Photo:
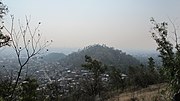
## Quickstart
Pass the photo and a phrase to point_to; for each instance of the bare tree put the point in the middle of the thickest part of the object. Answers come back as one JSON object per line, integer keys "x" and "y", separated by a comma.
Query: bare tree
{"x": 26, "y": 43}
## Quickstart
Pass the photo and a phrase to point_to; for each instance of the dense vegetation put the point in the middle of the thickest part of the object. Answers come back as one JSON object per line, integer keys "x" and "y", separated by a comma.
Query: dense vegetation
{"x": 107, "y": 55}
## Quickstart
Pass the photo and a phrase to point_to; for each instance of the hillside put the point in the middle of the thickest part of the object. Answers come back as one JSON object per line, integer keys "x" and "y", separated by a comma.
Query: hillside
{"x": 107, "y": 55}
{"x": 151, "y": 93}
{"x": 53, "y": 57}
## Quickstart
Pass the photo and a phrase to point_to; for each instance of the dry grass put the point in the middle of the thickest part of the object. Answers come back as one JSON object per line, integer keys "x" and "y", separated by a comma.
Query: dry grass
{"x": 151, "y": 93}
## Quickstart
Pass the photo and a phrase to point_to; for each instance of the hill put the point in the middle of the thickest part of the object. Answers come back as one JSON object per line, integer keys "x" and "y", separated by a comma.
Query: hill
{"x": 151, "y": 93}
{"x": 53, "y": 57}
{"x": 107, "y": 55}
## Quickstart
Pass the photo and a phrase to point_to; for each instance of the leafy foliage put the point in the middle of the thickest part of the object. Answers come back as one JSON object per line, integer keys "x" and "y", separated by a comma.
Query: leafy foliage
{"x": 97, "y": 69}
{"x": 169, "y": 52}
{"x": 28, "y": 90}
{"x": 4, "y": 39}
{"x": 5, "y": 88}
{"x": 151, "y": 63}
{"x": 143, "y": 76}
{"x": 3, "y": 9}
{"x": 117, "y": 80}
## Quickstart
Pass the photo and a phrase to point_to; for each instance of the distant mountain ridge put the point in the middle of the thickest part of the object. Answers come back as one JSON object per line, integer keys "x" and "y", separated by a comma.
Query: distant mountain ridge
{"x": 107, "y": 55}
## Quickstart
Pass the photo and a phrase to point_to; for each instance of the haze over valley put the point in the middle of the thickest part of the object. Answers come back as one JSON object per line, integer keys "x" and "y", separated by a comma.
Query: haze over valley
{"x": 89, "y": 50}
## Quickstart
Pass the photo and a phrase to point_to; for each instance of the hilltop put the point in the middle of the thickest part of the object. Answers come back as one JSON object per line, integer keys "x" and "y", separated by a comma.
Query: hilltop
{"x": 107, "y": 55}
{"x": 53, "y": 57}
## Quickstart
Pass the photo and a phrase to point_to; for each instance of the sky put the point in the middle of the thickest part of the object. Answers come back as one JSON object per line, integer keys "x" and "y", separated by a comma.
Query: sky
{"x": 123, "y": 24}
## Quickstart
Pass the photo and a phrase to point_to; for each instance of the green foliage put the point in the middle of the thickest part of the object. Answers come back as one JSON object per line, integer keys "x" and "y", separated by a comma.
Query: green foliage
{"x": 142, "y": 76}
{"x": 153, "y": 72}
{"x": 28, "y": 90}
{"x": 169, "y": 53}
{"x": 1, "y": 99}
{"x": 5, "y": 88}
{"x": 136, "y": 76}
{"x": 151, "y": 63}
{"x": 54, "y": 91}
{"x": 116, "y": 79}
{"x": 94, "y": 86}
{"x": 4, "y": 39}
{"x": 94, "y": 66}
{"x": 3, "y": 9}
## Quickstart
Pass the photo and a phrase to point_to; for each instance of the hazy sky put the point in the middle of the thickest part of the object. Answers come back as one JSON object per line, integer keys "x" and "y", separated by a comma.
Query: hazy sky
{"x": 78, "y": 23}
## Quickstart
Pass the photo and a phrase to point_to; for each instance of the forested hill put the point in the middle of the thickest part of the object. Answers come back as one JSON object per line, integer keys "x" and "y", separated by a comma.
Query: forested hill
{"x": 53, "y": 57}
{"x": 107, "y": 55}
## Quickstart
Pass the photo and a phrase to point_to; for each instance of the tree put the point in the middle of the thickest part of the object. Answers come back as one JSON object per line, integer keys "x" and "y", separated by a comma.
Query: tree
{"x": 116, "y": 79}
{"x": 4, "y": 39}
{"x": 169, "y": 53}
{"x": 151, "y": 63}
{"x": 135, "y": 75}
{"x": 5, "y": 89}
{"x": 54, "y": 91}
{"x": 152, "y": 72}
{"x": 25, "y": 41}
{"x": 28, "y": 89}
{"x": 95, "y": 67}
{"x": 3, "y": 9}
